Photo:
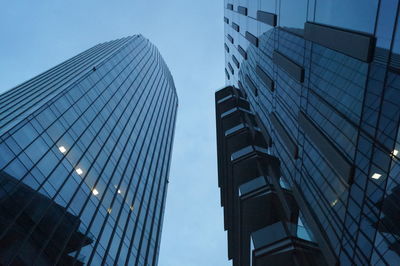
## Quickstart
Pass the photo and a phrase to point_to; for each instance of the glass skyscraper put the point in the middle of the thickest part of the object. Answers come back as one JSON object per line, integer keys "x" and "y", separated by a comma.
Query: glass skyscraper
{"x": 308, "y": 132}
{"x": 85, "y": 151}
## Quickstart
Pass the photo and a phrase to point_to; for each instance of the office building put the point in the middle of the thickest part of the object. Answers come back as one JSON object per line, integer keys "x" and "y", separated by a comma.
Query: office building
{"x": 308, "y": 132}
{"x": 85, "y": 154}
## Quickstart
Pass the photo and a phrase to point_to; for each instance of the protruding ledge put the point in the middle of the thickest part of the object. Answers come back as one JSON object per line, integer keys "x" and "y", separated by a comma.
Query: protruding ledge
{"x": 265, "y": 78}
{"x": 227, "y": 74}
{"x": 290, "y": 144}
{"x": 242, "y": 52}
{"x": 292, "y": 68}
{"x": 231, "y": 68}
{"x": 351, "y": 43}
{"x": 251, "y": 38}
{"x": 226, "y": 48}
{"x": 333, "y": 156}
{"x": 268, "y": 18}
{"x": 252, "y": 86}
{"x": 230, "y": 38}
{"x": 235, "y": 26}
{"x": 235, "y": 61}
{"x": 242, "y": 10}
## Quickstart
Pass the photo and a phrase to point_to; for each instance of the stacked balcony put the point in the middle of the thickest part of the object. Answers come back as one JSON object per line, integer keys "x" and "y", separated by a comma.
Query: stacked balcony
{"x": 254, "y": 199}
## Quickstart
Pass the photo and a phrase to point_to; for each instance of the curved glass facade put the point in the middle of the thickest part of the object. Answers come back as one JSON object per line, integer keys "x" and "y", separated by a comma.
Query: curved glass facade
{"x": 329, "y": 73}
{"x": 85, "y": 155}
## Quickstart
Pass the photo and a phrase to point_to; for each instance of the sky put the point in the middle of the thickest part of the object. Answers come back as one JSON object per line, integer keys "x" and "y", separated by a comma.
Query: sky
{"x": 36, "y": 35}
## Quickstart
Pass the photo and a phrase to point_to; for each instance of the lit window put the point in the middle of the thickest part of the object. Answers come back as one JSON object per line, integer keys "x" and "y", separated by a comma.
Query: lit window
{"x": 334, "y": 202}
{"x": 395, "y": 152}
{"x": 109, "y": 210}
{"x": 376, "y": 176}
{"x": 62, "y": 149}
{"x": 79, "y": 171}
{"x": 95, "y": 192}
{"x": 131, "y": 207}
{"x": 119, "y": 191}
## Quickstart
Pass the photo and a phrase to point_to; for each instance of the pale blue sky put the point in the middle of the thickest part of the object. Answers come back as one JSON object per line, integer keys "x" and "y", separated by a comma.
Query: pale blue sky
{"x": 36, "y": 35}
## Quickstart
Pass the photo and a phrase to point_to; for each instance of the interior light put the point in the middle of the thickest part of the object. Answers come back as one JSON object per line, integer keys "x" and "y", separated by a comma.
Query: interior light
{"x": 131, "y": 207}
{"x": 376, "y": 176}
{"x": 334, "y": 202}
{"x": 395, "y": 152}
{"x": 119, "y": 191}
{"x": 79, "y": 171}
{"x": 95, "y": 192}
{"x": 62, "y": 149}
{"x": 109, "y": 210}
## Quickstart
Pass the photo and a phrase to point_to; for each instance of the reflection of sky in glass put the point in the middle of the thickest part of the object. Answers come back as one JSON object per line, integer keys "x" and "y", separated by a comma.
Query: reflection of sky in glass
{"x": 357, "y": 15}
{"x": 294, "y": 15}
{"x": 336, "y": 85}
{"x": 396, "y": 43}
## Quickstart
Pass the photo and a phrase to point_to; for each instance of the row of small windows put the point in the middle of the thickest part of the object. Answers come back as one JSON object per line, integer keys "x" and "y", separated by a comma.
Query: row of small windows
{"x": 334, "y": 157}
{"x": 364, "y": 53}
{"x": 351, "y": 43}
{"x": 296, "y": 71}
{"x": 265, "y": 17}
{"x": 240, "y": 9}
{"x": 313, "y": 33}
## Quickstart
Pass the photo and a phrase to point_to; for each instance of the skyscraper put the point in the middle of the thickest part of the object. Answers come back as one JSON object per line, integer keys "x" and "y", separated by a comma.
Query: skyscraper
{"x": 85, "y": 155}
{"x": 308, "y": 132}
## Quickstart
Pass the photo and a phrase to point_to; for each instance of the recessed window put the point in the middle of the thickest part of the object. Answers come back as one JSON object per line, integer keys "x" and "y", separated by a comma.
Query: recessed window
{"x": 242, "y": 52}
{"x": 242, "y": 10}
{"x": 251, "y": 38}
{"x": 95, "y": 192}
{"x": 235, "y": 26}
{"x": 62, "y": 149}
{"x": 376, "y": 176}
{"x": 227, "y": 74}
{"x": 79, "y": 171}
{"x": 226, "y": 48}
{"x": 235, "y": 61}
{"x": 230, "y": 38}
{"x": 231, "y": 68}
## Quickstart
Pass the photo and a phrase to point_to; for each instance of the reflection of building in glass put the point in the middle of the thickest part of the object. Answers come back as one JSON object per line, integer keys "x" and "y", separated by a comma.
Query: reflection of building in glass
{"x": 13, "y": 198}
{"x": 313, "y": 89}
{"x": 85, "y": 153}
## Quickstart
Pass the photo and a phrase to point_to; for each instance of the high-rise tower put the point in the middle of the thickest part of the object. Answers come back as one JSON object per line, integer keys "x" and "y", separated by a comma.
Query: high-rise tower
{"x": 85, "y": 150}
{"x": 308, "y": 132}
